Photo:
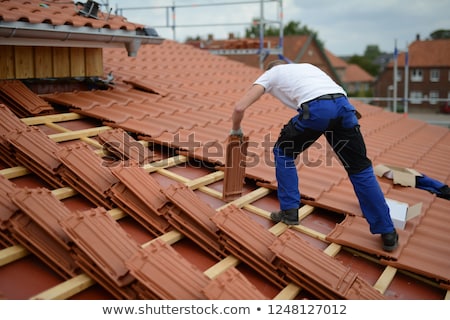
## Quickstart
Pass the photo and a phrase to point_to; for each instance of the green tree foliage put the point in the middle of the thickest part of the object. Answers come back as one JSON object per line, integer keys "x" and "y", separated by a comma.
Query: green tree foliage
{"x": 291, "y": 28}
{"x": 372, "y": 52}
{"x": 367, "y": 61}
{"x": 440, "y": 34}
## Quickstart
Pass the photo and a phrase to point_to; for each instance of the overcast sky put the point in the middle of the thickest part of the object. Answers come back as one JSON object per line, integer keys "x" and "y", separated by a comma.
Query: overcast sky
{"x": 346, "y": 27}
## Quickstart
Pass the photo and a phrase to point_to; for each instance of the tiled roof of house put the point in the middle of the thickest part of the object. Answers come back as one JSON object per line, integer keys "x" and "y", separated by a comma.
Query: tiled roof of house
{"x": 426, "y": 53}
{"x": 349, "y": 72}
{"x": 354, "y": 73}
{"x": 198, "y": 93}
{"x": 335, "y": 60}
{"x": 61, "y": 12}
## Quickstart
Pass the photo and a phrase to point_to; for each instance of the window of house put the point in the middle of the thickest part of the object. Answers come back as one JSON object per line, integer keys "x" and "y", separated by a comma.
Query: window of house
{"x": 416, "y": 97}
{"x": 434, "y": 96}
{"x": 399, "y": 75}
{"x": 434, "y": 75}
{"x": 416, "y": 75}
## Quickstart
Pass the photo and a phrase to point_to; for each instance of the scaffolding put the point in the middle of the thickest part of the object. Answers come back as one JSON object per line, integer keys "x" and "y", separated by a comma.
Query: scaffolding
{"x": 262, "y": 22}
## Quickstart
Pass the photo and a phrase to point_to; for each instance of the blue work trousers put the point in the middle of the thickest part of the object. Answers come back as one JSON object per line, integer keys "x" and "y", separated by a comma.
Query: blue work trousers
{"x": 336, "y": 119}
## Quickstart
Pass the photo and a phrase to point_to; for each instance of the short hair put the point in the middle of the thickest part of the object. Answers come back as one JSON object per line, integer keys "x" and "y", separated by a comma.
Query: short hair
{"x": 274, "y": 63}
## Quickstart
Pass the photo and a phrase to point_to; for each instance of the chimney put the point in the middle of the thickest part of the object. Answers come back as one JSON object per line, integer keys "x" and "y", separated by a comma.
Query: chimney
{"x": 417, "y": 37}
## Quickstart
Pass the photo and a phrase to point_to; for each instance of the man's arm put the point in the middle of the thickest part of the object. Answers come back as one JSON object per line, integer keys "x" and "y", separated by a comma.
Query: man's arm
{"x": 253, "y": 94}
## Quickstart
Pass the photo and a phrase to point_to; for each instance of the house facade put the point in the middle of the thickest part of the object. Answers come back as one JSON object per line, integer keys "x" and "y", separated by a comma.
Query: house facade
{"x": 423, "y": 77}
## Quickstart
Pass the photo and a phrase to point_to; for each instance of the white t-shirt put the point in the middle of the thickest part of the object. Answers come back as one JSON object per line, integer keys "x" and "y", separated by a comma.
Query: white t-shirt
{"x": 296, "y": 83}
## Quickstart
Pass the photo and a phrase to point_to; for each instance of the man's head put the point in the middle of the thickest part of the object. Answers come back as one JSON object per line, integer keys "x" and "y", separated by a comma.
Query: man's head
{"x": 274, "y": 63}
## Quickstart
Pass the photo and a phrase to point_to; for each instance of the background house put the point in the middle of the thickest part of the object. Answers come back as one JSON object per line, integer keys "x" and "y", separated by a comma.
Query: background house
{"x": 427, "y": 78}
{"x": 356, "y": 81}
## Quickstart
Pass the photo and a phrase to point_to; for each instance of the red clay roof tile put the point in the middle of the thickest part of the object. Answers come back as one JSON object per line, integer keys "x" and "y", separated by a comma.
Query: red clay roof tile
{"x": 354, "y": 232}
{"x": 192, "y": 217}
{"x": 37, "y": 152}
{"x": 86, "y": 172}
{"x": 103, "y": 246}
{"x": 166, "y": 273}
{"x": 320, "y": 273}
{"x": 37, "y": 227}
{"x": 142, "y": 184}
{"x": 130, "y": 203}
{"x": 234, "y": 169}
{"x": 7, "y": 209}
{"x": 58, "y": 13}
{"x": 22, "y": 100}
{"x": 206, "y": 86}
{"x": 249, "y": 241}
{"x": 125, "y": 147}
{"x": 232, "y": 285}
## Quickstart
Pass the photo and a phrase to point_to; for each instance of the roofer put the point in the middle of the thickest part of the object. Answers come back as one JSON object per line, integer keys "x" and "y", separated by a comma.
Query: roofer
{"x": 323, "y": 108}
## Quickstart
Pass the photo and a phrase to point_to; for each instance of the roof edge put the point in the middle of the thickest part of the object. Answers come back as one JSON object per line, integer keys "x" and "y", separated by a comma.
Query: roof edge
{"x": 16, "y": 33}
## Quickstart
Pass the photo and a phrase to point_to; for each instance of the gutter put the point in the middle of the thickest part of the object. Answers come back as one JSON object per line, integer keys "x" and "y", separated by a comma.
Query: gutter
{"x": 42, "y": 34}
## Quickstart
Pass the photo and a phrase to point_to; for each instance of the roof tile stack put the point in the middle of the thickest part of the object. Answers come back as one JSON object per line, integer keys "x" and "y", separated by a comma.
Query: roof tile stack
{"x": 232, "y": 285}
{"x": 101, "y": 249}
{"x": 10, "y": 123}
{"x": 248, "y": 241}
{"x": 22, "y": 101}
{"x": 323, "y": 275}
{"x": 125, "y": 147}
{"x": 37, "y": 228}
{"x": 192, "y": 217}
{"x": 166, "y": 273}
{"x": 7, "y": 209}
{"x": 87, "y": 173}
{"x": 139, "y": 195}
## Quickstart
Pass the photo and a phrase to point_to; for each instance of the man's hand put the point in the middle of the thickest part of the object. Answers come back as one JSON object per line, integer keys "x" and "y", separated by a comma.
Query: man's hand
{"x": 237, "y": 132}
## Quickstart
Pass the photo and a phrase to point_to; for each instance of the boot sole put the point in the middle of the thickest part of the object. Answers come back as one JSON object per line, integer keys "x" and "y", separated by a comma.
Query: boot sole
{"x": 289, "y": 222}
{"x": 390, "y": 248}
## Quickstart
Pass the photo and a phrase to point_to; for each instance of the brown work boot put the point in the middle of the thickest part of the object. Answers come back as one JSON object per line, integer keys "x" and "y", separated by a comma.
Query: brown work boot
{"x": 289, "y": 216}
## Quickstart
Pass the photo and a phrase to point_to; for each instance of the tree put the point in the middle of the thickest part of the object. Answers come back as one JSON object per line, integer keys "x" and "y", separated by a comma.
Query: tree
{"x": 291, "y": 28}
{"x": 365, "y": 63}
{"x": 372, "y": 52}
{"x": 440, "y": 34}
